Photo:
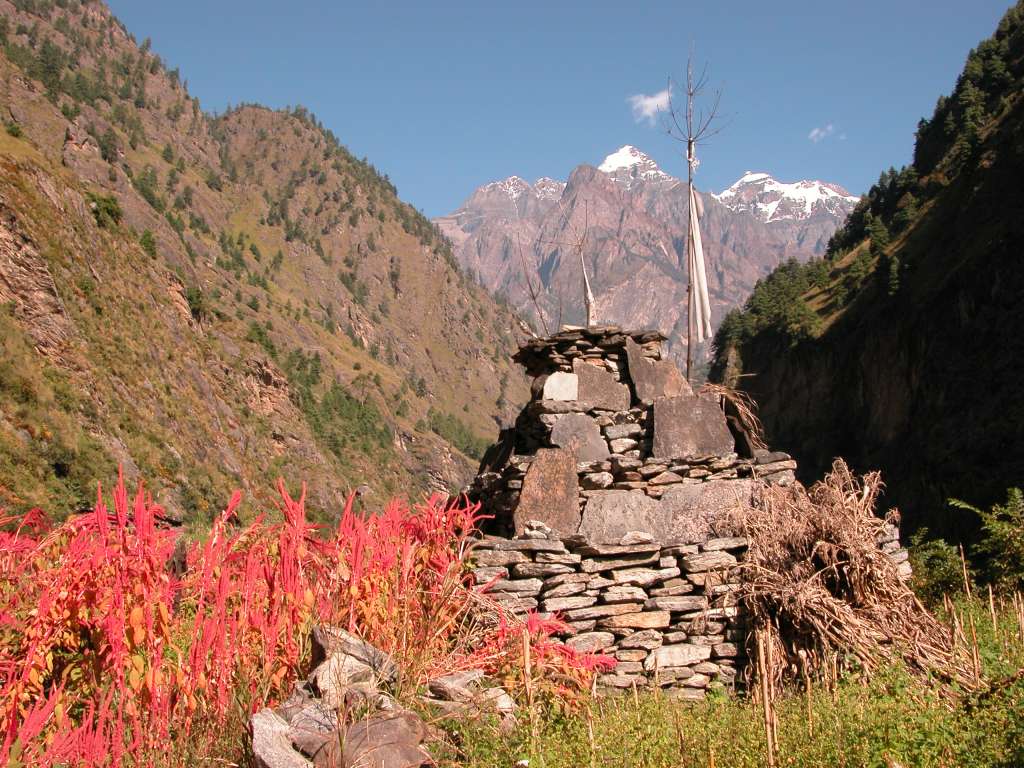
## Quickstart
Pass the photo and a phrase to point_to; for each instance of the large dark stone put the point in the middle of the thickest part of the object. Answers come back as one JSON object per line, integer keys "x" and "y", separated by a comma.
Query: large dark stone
{"x": 695, "y": 513}
{"x": 688, "y": 426}
{"x": 579, "y": 431}
{"x": 653, "y": 378}
{"x": 600, "y": 388}
{"x": 610, "y": 515}
{"x": 550, "y": 492}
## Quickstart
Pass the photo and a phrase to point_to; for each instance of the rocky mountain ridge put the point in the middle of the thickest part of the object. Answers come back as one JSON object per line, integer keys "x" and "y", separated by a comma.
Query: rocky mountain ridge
{"x": 629, "y": 219}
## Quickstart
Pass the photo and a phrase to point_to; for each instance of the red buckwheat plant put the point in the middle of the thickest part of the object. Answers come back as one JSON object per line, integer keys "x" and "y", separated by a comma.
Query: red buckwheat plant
{"x": 109, "y": 658}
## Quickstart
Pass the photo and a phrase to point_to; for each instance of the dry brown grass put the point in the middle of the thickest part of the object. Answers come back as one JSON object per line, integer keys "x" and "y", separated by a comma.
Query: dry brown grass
{"x": 744, "y": 407}
{"x": 823, "y": 597}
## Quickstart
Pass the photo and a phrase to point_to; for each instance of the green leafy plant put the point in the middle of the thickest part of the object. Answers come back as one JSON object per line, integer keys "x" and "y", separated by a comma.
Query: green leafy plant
{"x": 1001, "y": 545}
{"x": 938, "y": 570}
{"x": 105, "y": 209}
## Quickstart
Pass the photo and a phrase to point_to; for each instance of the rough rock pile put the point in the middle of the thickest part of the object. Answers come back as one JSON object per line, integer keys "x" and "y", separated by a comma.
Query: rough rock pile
{"x": 613, "y": 499}
{"x": 344, "y": 715}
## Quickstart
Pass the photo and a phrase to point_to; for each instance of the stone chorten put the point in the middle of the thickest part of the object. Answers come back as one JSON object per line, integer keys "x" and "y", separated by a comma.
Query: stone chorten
{"x": 610, "y": 496}
{"x": 614, "y": 440}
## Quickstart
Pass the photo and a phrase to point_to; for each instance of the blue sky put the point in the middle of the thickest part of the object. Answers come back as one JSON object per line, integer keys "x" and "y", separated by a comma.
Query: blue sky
{"x": 444, "y": 96}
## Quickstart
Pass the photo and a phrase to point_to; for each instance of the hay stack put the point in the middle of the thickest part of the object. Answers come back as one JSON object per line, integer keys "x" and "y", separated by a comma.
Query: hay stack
{"x": 824, "y": 597}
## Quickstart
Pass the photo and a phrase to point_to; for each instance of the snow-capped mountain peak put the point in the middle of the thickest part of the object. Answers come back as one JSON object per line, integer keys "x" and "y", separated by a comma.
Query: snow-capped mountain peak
{"x": 548, "y": 189}
{"x": 628, "y": 164}
{"x": 769, "y": 200}
{"x": 513, "y": 186}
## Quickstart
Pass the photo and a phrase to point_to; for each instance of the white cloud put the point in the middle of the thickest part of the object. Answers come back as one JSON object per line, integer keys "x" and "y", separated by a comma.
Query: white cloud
{"x": 819, "y": 134}
{"x": 647, "y": 107}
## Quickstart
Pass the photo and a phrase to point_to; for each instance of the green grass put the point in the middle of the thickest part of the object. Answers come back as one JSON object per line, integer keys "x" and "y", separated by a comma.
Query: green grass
{"x": 893, "y": 720}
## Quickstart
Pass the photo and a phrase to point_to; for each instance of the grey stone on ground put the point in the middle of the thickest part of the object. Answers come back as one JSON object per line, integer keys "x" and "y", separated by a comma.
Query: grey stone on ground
{"x": 458, "y": 686}
{"x": 272, "y": 744}
{"x": 328, "y": 641}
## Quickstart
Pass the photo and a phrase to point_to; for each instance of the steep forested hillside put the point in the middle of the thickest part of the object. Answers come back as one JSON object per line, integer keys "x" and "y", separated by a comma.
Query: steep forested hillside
{"x": 903, "y": 348}
{"x": 213, "y": 301}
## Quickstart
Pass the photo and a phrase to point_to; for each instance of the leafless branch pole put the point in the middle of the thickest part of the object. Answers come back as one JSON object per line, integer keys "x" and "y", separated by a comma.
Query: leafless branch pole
{"x": 578, "y": 245}
{"x": 581, "y": 240}
{"x": 693, "y": 127}
{"x": 532, "y": 290}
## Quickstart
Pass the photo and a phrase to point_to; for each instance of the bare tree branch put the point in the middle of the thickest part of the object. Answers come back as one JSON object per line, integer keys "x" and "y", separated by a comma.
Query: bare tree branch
{"x": 530, "y": 287}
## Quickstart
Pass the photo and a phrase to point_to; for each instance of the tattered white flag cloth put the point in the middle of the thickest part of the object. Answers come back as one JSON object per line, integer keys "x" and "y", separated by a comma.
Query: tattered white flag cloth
{"x": 700, "y": 304}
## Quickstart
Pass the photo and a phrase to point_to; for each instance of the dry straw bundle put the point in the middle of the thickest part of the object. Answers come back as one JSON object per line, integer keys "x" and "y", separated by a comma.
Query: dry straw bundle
{"x": 823, "y": 596}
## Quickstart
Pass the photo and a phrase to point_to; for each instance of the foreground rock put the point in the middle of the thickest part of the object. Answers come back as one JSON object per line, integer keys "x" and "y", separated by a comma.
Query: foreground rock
{"x": 311, "y": 727}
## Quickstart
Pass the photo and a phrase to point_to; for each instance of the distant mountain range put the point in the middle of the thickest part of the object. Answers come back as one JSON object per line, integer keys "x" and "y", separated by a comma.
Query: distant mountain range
{"x": 632, "y": 218}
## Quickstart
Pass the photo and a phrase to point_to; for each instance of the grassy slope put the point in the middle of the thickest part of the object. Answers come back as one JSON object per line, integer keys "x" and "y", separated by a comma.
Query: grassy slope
{"x": 891, "y": 721}
{"x": 199, "y": 405}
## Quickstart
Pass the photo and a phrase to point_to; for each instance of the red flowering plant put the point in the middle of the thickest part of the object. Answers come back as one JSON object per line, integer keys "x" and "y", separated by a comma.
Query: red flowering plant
{"x": 108, "y": 658}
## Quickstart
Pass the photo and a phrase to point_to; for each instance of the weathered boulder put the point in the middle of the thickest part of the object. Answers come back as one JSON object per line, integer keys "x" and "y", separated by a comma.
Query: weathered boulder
{"x": 458, "y": 686}
{"x": 272, "y": 744}
{"x": 653, "y": 378}
{"x": 600, "y": 387}
{"x": 580, "y": 431}
{"x": 687, "y": 426}
{"x": 549, "y": 492}
{"x": 329, "y": 641}
{"x": 382, "y": 740}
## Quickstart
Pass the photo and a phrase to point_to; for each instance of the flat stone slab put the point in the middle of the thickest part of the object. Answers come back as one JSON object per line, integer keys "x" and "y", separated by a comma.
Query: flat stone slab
{"x": 653, "y": 378}
{"x": 600, "y": 387}
{"x": 550, "y": 490}
{"x": 637, "y": 620}
{"x": 694, "y": 513}
{"x": 561, "y": 386}
{"x": 579, "y": 431}
{"x": 591, "y": 642}
{"x": 685, "y": 513}
{"x": 609, "y": 515}
{"x": 687, "y": 426}
{"x": 681, "y": 655}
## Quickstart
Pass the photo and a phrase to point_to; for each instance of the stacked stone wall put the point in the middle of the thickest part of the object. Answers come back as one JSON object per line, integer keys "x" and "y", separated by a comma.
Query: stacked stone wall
{"x": 613, "y": 496}
{"x": 668, "y": 614}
